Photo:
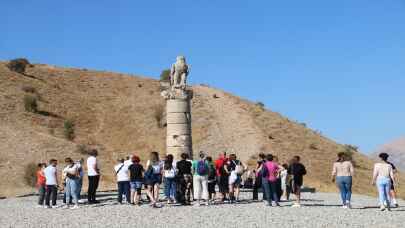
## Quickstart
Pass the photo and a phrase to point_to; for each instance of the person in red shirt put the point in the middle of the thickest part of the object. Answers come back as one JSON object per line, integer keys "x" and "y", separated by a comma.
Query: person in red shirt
{"x": 222, "y": 176}
{"x": 41, "y": 183}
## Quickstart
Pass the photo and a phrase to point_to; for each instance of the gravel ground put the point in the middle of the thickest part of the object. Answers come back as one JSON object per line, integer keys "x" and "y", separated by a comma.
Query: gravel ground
{"x": 319, "y": 210}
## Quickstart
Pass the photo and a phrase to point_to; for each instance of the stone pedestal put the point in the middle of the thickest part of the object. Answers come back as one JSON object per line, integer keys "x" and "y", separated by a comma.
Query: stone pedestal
{"x": 178, "y": 114}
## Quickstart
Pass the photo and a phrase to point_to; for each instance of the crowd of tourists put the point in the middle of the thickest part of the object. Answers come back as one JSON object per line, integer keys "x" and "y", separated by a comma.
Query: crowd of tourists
{"x": 203, "y": 180}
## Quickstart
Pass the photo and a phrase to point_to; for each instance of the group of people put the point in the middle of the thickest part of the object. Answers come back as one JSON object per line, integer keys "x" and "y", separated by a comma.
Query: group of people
{"x": 72, "y": 181}
{"x": 203, "y": 180}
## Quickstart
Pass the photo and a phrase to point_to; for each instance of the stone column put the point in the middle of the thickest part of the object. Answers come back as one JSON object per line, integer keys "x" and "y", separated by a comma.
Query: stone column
{"x": 178, "y": 112}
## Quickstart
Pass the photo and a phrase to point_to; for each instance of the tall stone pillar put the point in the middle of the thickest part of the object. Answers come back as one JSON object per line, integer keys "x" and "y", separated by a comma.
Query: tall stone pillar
{"x": 178, "y": 114}
{"x": 178, "y": 111}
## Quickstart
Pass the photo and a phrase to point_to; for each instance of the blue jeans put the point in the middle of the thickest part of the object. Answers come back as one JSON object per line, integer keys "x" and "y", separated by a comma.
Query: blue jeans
{"x": 384, "y": 187}
{"x": 79, "y": 187}
{"x": 72, "y": 185}
{"x": 345, "y": 186}
{"x": 170, "y": 188}
{"x": 124, "y": 189}
{"x": 270, "y": 188}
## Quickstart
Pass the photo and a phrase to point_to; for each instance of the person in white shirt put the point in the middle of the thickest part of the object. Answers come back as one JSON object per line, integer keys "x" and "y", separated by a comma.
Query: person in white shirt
{"x": 71, "y": 176}
{"x": 383, "y": 175}
{"x": 93, "y": 173}
{"x": 51, "y": 183}
{"x": 122, "y": 173}
{"x": 283, "y": 175}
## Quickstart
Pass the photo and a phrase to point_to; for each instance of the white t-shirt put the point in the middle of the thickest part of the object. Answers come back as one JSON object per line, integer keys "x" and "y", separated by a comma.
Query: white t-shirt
{"x": 128, "y": 162}
{"x": 123, "y": 174}
{"x": 50, "y": 175}
{"x": 91, "y": 161}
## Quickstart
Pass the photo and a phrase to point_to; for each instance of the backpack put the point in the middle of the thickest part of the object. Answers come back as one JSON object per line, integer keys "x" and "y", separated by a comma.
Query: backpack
{"x": 239, "y": 169}
{"x": 202, "y": 168}
{"x": 264, "y": 171}
{"x": 170, "y": 173}
{"x": 212, "y": 172}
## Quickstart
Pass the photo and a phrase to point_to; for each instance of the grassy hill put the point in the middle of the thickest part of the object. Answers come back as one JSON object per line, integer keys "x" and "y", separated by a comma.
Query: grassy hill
{"x": 124, "y": 114}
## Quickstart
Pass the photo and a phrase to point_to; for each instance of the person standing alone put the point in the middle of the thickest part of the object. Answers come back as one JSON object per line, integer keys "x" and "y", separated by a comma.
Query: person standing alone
{"x": 383, "y": 175}
{"x": 93, "y": 173}
{"x": 297, "y": 171}
{"x": 41, "y": 183}
{"x": 343, "y": 171}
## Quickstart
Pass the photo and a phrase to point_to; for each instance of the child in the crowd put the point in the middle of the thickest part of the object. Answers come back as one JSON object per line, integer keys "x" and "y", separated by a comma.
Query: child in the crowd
{"x": 41, "y": 184}
{"x": 212, "y": 179}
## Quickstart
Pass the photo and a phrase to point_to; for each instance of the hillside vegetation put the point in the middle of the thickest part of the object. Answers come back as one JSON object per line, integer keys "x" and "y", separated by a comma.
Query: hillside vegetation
{"x": 123, "y": 114}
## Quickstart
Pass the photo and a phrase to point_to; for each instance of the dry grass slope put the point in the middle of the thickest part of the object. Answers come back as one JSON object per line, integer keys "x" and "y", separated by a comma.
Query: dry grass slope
{"x": 117, "y": 114}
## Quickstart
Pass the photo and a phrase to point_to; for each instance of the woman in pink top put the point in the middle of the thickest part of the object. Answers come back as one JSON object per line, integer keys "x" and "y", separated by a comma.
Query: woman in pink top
{"x": 270, "y": 171}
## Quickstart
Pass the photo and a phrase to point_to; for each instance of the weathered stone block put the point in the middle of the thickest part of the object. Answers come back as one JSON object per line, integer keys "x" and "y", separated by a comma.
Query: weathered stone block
{"x": 177, "y": 118}
{"x": 182, "y": 106}
{"x": 178, "y": 129}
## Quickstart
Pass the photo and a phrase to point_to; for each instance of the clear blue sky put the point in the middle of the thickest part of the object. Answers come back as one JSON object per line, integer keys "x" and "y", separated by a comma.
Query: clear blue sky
{"x": 338, "y": 66}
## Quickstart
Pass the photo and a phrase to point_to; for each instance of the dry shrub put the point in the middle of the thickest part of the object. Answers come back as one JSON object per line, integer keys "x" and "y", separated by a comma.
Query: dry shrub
{"x": 30, "y": 174}
{"x": 165, "y": 75}
{"x": 158, "y": 114}
{"x": 69, "y": 129}
{"x": 18, "y": 65}
{"x": 31, "y": 103}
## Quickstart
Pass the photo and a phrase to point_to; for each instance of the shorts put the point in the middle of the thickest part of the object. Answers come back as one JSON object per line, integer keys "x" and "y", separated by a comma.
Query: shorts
{"x": 235, "y": 181}
{"x": 223, "y": 184}
{"x": 153, "y": 180}
{"x": 135, "y": 185}
{"x": 211, "y": 187}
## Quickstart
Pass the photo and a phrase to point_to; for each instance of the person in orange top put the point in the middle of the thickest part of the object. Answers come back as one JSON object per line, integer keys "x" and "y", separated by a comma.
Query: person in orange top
{"x": 41, "y": 184}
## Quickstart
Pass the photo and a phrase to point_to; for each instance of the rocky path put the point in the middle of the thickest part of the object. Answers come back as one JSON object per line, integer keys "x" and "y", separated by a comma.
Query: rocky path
{"x": 233, "y": 127}
{"x": 319, "y": 210}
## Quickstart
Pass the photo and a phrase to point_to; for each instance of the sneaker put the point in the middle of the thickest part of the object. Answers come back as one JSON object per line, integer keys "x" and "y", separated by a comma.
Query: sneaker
{"x": 382, "y": 208}
{"x": 296, "y": 205}
{"x": 81, "y": 201}
{"x": 54, "y": 206}
{"x": 74, "y": 207}
{"x": 344, "y": 207}
{"x": 207, "y": 203}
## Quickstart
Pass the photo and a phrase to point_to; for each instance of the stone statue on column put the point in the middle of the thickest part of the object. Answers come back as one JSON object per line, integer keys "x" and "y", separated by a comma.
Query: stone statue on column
{"x": 179, "y": 73}
{"x": 178, "y": 110}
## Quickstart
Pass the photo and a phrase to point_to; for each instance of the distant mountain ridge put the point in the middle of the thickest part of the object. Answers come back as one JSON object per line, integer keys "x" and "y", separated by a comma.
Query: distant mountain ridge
{"x": 396, "y": 150}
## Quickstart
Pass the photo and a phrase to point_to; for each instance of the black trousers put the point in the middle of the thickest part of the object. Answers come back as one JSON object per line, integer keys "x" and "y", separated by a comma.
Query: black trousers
{"x": 51, "y": 193}
{"x": 41, "y": 193}
{"x": 93, "y": 185}
{"x": 256, "y": 186}
{"x": 279, "y": 189}
{"x": 123, "y": 189}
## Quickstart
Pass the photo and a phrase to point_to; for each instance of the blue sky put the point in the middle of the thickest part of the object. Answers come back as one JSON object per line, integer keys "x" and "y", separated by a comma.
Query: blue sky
{"x": 338, "y": 66}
